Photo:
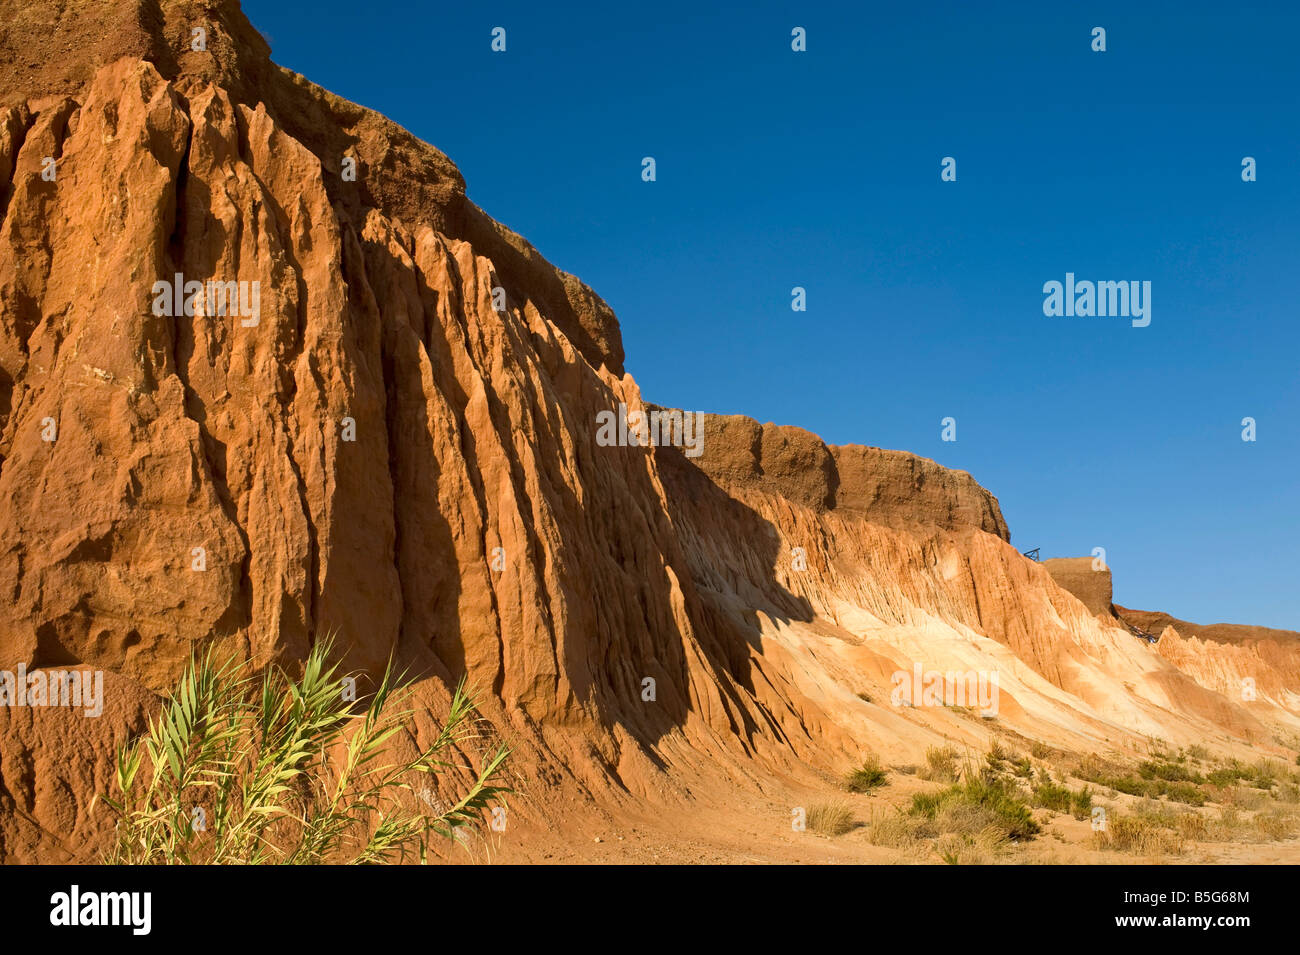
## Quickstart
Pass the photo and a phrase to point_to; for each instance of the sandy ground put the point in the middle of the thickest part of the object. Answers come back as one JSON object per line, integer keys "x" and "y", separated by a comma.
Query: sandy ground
{"x": 757, "y": 830}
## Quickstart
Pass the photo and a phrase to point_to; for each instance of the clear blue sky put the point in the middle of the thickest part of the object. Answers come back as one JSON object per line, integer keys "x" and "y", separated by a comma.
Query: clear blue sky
{"x": 821, "y": 169}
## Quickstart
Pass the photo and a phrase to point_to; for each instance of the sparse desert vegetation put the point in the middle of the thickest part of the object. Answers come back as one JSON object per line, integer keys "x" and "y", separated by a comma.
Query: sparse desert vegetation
{"x": 830, "y": 818}
{"x": 940, "y": 765}
{"x": 1058, "y": 798}
{"x": 973, "y": 821}
{"x": 992, "y": 802}
{"x": 1178, "y": 793}
{"x": 1141, "y": 835}
{"x": 870, "y": 775}
{"x": 1010, "y": 806}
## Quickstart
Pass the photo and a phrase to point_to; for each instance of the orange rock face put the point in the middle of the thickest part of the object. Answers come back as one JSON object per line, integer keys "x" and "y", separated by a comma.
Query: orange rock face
{"x": 1087, "y": 579}
{"x": 392, "y": 437}
{"x": 887, "y": 487}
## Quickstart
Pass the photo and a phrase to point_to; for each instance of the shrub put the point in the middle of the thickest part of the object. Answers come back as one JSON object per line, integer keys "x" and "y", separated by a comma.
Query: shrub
{"x": 1081, "y": 803}
{"x": 1058, "y": 798}
{"x": 1229, "y": 820}
{"x": 1052, "y": 796}
{"x": 1168, "y": 771}
{"x": 1264, "y": 774}
{"x": 971, "y": 848}
{"x": 285, "y": 771}
{"x": 1003, "y": 808}
{"x": 830, "y": 818}
{"x": 1138, "y": 834}
{"x": 1188, "y": 793}
{"x": 892, "y": 829}
{"x": 1225, "y": 776}
{"x": 1244, "y": 798}
{"x": 941, "y": 765}
{"x": 1133, "y": 786}
{"x": 868, "y": 777}
{"x": 1275, "y": 825}
{"x": 1091, "y": 767}
{"x": 1192, "y": 826}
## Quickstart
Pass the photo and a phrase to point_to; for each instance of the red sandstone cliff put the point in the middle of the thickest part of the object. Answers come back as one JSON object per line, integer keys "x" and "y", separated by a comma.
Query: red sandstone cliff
{"x": 386, "y": 456}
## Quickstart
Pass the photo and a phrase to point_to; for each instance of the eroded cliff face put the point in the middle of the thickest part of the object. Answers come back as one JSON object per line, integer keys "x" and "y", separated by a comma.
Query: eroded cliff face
{"x": 1257, "y": 665}
{"x": 894, "y": 488}
{"x": 1087, "y": 579}
{"x": 379, "y": 450}
{"x": 397, "y": 445}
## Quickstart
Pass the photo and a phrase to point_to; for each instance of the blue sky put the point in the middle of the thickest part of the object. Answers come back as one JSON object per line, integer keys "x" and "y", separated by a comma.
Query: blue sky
{"x": 821, "y": 169}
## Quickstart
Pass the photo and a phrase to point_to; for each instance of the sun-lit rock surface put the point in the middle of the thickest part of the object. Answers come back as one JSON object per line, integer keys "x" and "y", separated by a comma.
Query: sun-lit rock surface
{"x": 385, "y": 455}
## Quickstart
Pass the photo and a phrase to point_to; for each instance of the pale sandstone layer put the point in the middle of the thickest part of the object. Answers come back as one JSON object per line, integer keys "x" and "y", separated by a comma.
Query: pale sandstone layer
{"x": 475, "y": 526}
{"x": 1236, "y": 660}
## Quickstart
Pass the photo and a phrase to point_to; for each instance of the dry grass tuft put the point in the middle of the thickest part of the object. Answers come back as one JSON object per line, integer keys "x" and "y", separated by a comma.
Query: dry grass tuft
{"x": 940, "y": 765}
{"x": 830, "y": 818}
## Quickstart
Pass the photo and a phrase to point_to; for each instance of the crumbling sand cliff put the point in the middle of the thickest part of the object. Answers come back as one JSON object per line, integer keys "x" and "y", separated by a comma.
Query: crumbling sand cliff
{"x": 394, "y": 451}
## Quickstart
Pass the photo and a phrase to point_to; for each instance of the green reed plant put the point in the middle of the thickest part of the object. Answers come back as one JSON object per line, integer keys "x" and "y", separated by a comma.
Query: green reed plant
{"x": 236, "y": 770}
